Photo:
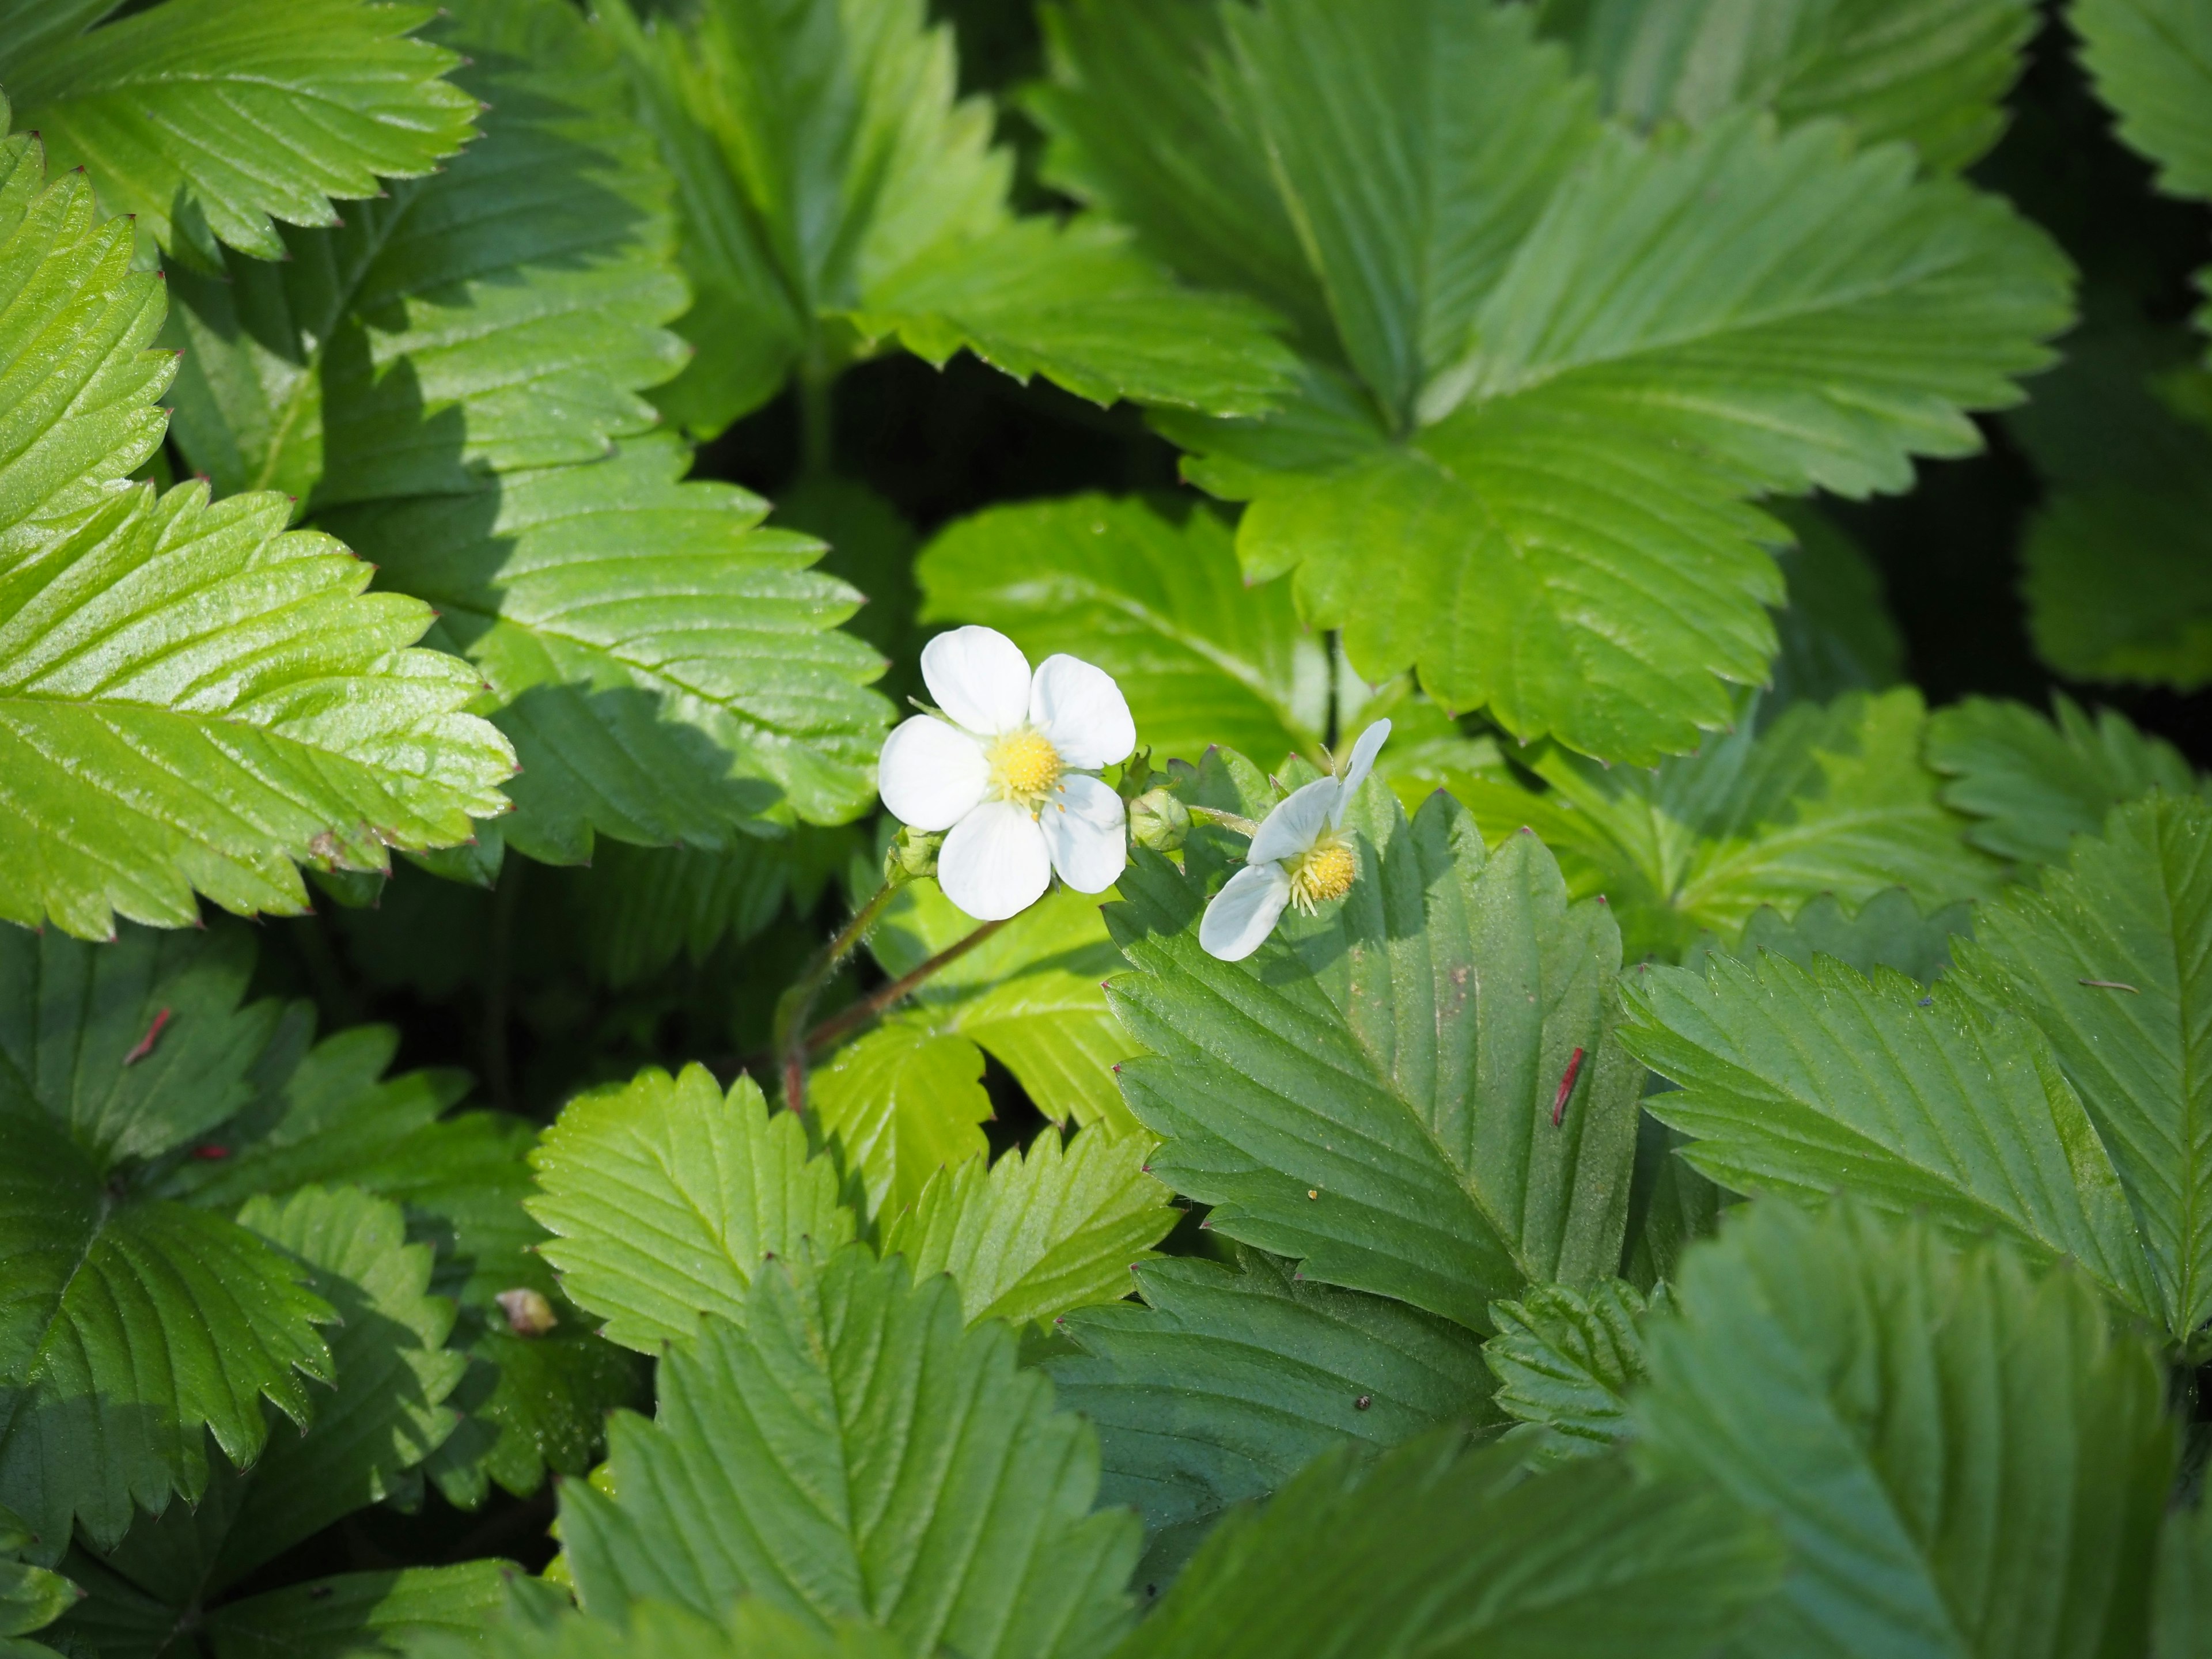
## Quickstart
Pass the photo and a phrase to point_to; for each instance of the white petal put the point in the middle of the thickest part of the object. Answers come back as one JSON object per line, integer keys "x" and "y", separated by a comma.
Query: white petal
{"x": 1085, "y": 832}
{"x": 994, "y": 865}
{"x": 1292, "y": 827}
{"x": 1244, "y": 912}
{"x": 931, "y": 775}
{"x": 1363, "y": 763}
{"x": 980, "y": 678}
{"x": 1080, "y": 708}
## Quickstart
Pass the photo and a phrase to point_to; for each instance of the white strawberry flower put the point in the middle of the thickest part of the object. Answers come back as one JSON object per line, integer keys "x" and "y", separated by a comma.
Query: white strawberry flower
{"x": 1299, "y": 855}
{"x": 1007, "y": 769}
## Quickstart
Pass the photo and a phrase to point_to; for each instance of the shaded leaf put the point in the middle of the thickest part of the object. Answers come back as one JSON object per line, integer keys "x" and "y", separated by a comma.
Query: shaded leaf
{"x": 1888, "y": 932}
{"x": 1567, "y": 1361}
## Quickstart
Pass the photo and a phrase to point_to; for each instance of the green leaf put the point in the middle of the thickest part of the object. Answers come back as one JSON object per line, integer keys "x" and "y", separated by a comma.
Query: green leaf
{"x": 754, "y": 1630}
{"x": 1964, "y": 1458}
{"x": 532, "y": 1405}
{"x": 1888, "y": 932}
{"x": 131, "y": 1049}
{"x": 1812, "y": 1082}
{"x": 1836, "y": 631}
{"x": 1568, "y": 1361}
{"x": 456, "y": 387}
{"x": 874, "y": 203}
{"x": 392, "y": 1372}
{"x": 75, "y": 375}
{"x": 1373, "y": 1091}
{"x": 192, "y": 697}
{"x": 641, "y": 907}
{"x": 1932, "y": 72}
{"x": 2151, "y": 61}
{"x": 664, "y": 1199}
{"x": 1493, "y": 473}
{"x": 2181, "y": 1623}
{"x": 1435, "y": 1550}
{"x": 852, "y": 1450}
{"x": 129, "y": 1332}
{"x": 1028, "y": 1238}
{"x": 205, "y": 117}
{"x": 2111, "y": 959}
{"x": 905, "y": 1100}
{"x": 31, "y": 1598}
{"x": 2032, "y": 786}
{"x": 356, "y": 1612}
{"x": 1824, "y": 800}
{"x": 1227, "y": 1380}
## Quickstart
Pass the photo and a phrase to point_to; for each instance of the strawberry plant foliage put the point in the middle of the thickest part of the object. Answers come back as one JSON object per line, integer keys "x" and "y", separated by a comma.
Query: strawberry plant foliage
{"x": 1486, "y": 457}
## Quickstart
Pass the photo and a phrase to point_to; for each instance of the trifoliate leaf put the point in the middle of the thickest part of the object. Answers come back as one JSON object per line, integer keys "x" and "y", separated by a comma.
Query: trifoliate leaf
{"x": 2151, "y": 61}
{"x": 1536, "y": 496}
{"x": 852, "y": 1450}
{"x": 2031, "y": 786}
{"x": 1227, "y": 1380}
{"x": 1932, "y": 72}
{"x": 1964, "y": 1458}
{"x": 1029, "y": 1238}
{"x": 1888, "y": 932}
{"x": 1812, "y": 1082}
{"x": 393, "y": 1373}
{"x": 1434, "y": 1549}
{"x": 2111, "y": 959}
{"x": 130, "y": 1332}
{"x": 76, "y": 380}
{"x": 905, "y": 1100}
{"x": 876, "y": 204}
{"x": 1375, "y": 1091}
{"x": 665, "y": 1197}
{"x": 1567, "y": 1361}
{"x": 457, "y": 387}
{"x": 205, "y": 118}
{"x": 1824, "y": 800}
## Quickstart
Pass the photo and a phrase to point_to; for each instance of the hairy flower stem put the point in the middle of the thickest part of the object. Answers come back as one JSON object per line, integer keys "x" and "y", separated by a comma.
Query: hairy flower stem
{"x": 791, "y": 1043}
{"x": 849, "y": 1019}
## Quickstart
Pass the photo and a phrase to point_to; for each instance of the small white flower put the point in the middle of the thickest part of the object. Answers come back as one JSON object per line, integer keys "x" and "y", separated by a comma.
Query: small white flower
{"x": 1298, "y": 855}
{"x": 1008, "y": 771}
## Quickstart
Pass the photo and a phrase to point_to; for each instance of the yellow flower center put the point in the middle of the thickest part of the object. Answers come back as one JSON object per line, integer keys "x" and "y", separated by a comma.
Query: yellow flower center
{"x": 1024, "y": 767}
{"x": 1323, "y": 872}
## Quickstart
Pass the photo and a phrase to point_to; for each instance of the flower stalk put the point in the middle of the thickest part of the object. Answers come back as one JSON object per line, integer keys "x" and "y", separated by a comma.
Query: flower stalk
{"x": 790, "y": 1039}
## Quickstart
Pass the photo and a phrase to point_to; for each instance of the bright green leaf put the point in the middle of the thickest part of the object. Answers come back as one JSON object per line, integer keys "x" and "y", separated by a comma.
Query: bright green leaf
{"x": 1932, "y": 72}
{"x": 1809, "y": 1082}
{"x": 1495, "y": 471}
{"x": 2113, "y": 960}
{"x": 1964, "y": 1459}
{"x": 852, "y": 1450}
{"x": 1030, "y": 1237}
{"x": 901, "y": 1105}
{"x": 1567, "y": 1361}
{"x": 2033, "y": 785}
{"x": 665, "y": 1197}
{"x": 205, "y": 117}
{"x": 1436, "y": 1550}
{"x": 755, "y": 1630}
{"x": 1373, "y": 1091}
{"x": 1227, "y": 1380}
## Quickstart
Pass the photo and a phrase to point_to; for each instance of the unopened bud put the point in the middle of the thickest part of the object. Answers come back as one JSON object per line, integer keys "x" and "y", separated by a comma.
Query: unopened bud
{"x": 1158, "y": 820}
{"x": 528, "y": 1313}
{"x": 913, "y": 854}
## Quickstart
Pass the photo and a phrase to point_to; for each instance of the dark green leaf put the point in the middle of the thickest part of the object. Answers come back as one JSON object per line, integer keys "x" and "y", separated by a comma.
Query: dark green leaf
{"x": 1567, "y": 1361}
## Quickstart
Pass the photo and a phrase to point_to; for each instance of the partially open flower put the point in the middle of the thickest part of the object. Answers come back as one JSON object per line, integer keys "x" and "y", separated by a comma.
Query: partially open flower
{"x": 1007, "y": 771}
{"x": 1299, "y": 855}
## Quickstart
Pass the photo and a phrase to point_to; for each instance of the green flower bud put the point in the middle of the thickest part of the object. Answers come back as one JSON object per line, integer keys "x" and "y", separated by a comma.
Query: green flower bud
{"x": 1158, "y": 820}
{"x": 912, "y": 854}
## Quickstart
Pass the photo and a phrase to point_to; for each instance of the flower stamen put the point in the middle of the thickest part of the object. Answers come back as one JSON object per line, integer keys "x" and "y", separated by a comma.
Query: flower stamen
{"x": 1323, "y": 872}
{"x": 1024, "y": 768}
